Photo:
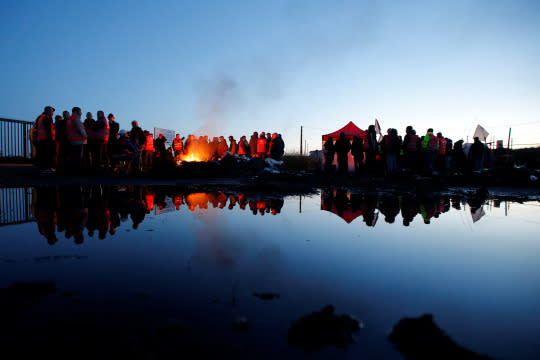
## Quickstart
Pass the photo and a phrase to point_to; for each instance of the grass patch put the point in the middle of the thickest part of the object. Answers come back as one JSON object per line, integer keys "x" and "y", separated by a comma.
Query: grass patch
{"x": 297, "y": 162}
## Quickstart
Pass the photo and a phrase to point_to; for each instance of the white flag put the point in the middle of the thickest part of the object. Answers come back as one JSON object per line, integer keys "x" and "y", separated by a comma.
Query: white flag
{"x": 480, "y": 133}
{"x": 377, "y": 127}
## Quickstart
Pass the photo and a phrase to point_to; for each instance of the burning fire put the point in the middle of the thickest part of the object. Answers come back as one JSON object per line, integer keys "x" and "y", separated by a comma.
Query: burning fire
{"x": 191, "y": 157}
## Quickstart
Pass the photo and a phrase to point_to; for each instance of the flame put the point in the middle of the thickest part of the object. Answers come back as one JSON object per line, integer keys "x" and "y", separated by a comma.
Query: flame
{"x": 191, "y": 157}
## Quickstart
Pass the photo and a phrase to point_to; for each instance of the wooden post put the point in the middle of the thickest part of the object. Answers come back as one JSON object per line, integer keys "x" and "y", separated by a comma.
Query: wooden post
{"x": 301, "y": 130}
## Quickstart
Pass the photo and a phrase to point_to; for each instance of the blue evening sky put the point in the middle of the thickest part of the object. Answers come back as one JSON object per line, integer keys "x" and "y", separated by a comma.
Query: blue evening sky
{"x": 234, "y": 67}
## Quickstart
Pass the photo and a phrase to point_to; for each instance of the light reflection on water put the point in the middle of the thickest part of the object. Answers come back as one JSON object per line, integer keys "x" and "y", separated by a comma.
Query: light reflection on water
{"x": 198, "y": 257}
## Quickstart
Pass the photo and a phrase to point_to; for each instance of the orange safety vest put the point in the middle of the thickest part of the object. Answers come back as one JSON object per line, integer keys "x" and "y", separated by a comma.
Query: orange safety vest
{"x": 412, "y": 145}
{"x": 149, "y": 144}
{"x": 103, "y": 133}
{"x": 73, "y": 133}
{"x": 42, "y": 134}
{"x": 261, "y": 145}
{"x": 442, "y": 146}
{"x": 241, "y": 148}
{"x": 177, "y": 144}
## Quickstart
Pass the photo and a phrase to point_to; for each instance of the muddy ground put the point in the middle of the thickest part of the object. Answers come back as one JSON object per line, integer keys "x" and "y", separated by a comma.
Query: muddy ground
{"x": 511, "y": 184}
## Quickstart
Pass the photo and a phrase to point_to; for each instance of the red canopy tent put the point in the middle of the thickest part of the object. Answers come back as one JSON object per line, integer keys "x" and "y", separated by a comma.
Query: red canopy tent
{"x": 350, "y": 130}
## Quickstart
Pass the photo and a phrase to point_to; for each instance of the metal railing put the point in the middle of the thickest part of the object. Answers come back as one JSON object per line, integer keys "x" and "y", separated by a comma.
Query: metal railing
{"x": 14, "y": 138}
{"x": 15, "y": 205}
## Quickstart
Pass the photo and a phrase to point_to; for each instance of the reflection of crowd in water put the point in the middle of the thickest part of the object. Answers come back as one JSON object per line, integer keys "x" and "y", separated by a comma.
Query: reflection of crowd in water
{"x": 97, "y": 209}
{"x": 350, "y": 205}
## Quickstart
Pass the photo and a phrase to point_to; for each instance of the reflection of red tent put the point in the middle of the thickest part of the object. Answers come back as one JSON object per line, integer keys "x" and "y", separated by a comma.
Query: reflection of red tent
{"x": 350, "y": 130}
{"x": 346, "y": 214}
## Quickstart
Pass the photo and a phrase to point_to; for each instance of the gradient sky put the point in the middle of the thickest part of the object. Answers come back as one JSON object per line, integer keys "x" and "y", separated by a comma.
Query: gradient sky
{"x": 234, "y": 67}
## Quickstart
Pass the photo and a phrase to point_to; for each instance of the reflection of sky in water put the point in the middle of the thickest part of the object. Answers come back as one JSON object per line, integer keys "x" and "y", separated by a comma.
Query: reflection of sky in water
{"x": 480, "y": 280}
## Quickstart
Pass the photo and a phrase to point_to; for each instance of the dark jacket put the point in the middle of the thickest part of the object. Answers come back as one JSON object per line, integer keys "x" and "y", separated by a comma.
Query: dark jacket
{"x": 253, "y": 144}
{"x": 277, "y": 148}
{"x": 136, "y": 136}
{"x": 61, "y": 130}
{"x": 329, "y": 149}
{"x": 342, "y": 146}
{"x": 357, "y": 147}
{"x": 114, "y": 128}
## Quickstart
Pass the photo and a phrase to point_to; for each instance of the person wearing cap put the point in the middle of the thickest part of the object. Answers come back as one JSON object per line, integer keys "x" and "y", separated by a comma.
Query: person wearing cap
{"x": 45, "y": 140}
{"x": 76, "y": 135}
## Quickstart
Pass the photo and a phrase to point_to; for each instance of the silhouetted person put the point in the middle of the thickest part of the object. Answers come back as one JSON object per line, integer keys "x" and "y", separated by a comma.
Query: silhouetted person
{"x": 329, "y": 152}
{"x": 178, "y": 146}
{"x": 62, "y": 143}
{"x": 459, "y": 158}
{"x": 342, "y": 147}
{"x": 148, "y": 151}
{"x": 261, "y": 146}
{"x": 136, "y": 134}
{"x": 268, "y": 143}
{"x": 114, "y": 128}
{"x": 430, "y": 147}
{"x": 443, "y": 157}
{"x": 101, "y": 137}
{"x": 276, "y": 147}
{"x": 77, "y": 138}
{"x": 46, "y": 140}
{"x": 476, "y": 153}
{"x": 391, "y": 145}
{"x": 159, "y": 145}
{"x": 222, "y": 147}
{"x": 253, "y": 143}
{"x": 372, "y": 148}
{"x": 233, "y": 146}
{"x": 357, "y": 151}
{"x": 243, "y": 147}
{"x": 411, "y": 148}
{"x": 90, "y": 139}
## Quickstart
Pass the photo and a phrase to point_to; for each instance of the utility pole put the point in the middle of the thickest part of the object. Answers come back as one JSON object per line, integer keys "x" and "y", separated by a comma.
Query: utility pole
{"x": 509, "y": 132}
{"x": 301, "y": 130}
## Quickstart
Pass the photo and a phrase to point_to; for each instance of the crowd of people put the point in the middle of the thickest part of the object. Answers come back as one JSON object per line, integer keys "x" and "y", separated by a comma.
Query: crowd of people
{"x": 80, "y": 212}
{"x": 429, "y": 154}
{"x": 71, "y": 144}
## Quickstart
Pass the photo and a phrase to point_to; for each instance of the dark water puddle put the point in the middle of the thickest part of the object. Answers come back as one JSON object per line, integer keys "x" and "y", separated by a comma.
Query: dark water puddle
{"x": 251, "y": 275}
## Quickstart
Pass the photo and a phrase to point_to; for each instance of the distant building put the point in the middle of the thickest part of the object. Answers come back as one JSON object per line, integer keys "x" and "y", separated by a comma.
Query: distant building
{"x": 316, "y": 154}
